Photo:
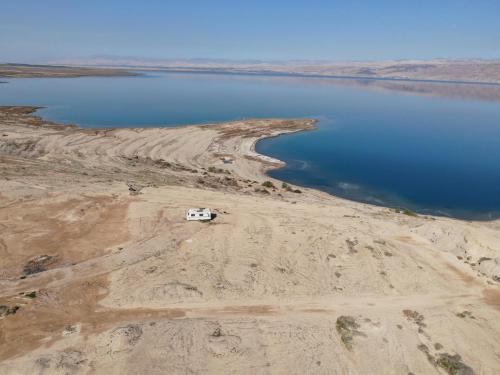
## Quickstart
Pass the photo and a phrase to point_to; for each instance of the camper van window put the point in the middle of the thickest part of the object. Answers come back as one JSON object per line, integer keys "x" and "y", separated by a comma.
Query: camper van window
{"x": 193, "y": 215}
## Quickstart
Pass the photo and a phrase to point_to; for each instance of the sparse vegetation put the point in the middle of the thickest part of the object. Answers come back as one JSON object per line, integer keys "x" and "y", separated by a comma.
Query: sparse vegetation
{"x": 268, "y": 184}
{"x": 218, "y": 170}
{"x": 465, "y": 314}
{"x": 288, "y": 188}
{"x": 8, "y": 310}
{"x": 347, "y": 328}
{"x": 30, "y": 294}
{"x": 438, "y": 346}
{"x": 228, "y": 181}
{"x": 453, "y": 364}
{"x": 37, "y": 265}
{"x": 415, "y": 316}
{"x": 351, "y": 245}
{"x": 409, "y": 213}
{"x": 406, "y": 211}
{"x": 69, "y": 329}
{"x": 424, "y": 349}
{"x": 263, "y": 191}
{"x": 217, "y": 332}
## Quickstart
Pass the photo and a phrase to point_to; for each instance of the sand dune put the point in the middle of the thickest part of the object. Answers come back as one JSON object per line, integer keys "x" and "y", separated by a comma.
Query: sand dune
{"x": 280, "y": 282}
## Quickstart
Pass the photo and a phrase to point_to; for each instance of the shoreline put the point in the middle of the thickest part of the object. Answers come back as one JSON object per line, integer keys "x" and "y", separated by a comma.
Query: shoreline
{"x": 99, "y": 264}
{"x": 250, "y": 131}
{"x": 274, "y": 164}
{"x": 56, "y": 71}
{"x": 9, "y": 70}
{"x": 431, "y": 70}
{"x": 258, "y": 73}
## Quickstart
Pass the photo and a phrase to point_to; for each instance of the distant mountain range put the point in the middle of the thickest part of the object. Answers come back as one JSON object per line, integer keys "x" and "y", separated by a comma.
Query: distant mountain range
{"x": 466, "y": 70}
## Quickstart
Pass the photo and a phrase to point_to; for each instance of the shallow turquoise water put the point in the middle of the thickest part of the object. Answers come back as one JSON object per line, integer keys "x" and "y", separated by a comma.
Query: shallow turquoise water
{"x": 427, "y": 153}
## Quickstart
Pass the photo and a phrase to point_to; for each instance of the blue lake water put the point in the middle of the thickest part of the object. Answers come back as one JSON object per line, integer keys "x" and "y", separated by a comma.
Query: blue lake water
{"x": 433, "y": 149}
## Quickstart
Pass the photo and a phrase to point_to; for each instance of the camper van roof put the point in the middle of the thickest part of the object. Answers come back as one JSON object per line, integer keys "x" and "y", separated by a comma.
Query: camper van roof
{"x": 198, "y": 209}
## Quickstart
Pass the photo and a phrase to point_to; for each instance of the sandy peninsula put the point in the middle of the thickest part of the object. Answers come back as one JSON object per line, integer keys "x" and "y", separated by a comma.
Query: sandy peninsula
{"x": 100, "y": 273}
{"x": 58, "y": 71}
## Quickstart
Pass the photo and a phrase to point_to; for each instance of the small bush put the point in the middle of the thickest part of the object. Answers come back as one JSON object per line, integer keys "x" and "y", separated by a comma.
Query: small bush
{"x": 415, "y": 316}
{"x": 37, "y": 264}
{"x": 453, "y": 364}
{"x": 263, "y": 191}
{"x": 268, "y": 184}
{"x": 217, "y": 332}
{"x": 408, "y": 212}
{"x": 346, "y": 327}
{"x": 465, "y": 314}
{"x": 218, "y": 170}
{"x": 30, "y": 294}
{"x": 288, "y": 188}
{"x": 8, "y": 310}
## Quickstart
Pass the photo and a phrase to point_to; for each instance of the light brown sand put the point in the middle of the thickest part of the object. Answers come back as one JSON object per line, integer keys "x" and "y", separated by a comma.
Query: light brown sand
{"x": 265, "y": 288}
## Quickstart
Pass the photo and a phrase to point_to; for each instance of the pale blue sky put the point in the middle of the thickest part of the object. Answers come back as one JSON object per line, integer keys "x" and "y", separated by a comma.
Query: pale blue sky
{"x": 39, "y": 30}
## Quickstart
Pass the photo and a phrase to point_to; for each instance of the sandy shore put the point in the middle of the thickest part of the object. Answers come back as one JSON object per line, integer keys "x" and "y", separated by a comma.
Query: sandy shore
{"x": 101, "y": 273}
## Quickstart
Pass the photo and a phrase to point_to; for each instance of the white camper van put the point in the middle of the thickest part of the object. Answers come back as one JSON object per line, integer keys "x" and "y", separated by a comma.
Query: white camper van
{"x": 198, "y": 214}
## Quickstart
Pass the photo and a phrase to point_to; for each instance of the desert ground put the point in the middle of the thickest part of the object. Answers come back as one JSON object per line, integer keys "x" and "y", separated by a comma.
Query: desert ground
{"x": 100, "y": 273}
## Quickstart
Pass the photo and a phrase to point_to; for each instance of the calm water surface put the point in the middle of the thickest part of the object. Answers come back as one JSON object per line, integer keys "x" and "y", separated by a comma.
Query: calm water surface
{"x": 428, "y": 153}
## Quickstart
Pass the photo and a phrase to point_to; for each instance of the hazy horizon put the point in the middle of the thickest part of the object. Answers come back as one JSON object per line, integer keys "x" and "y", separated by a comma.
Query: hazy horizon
{"x": 98, "y": 60}
{"x": 39, "y": 32}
